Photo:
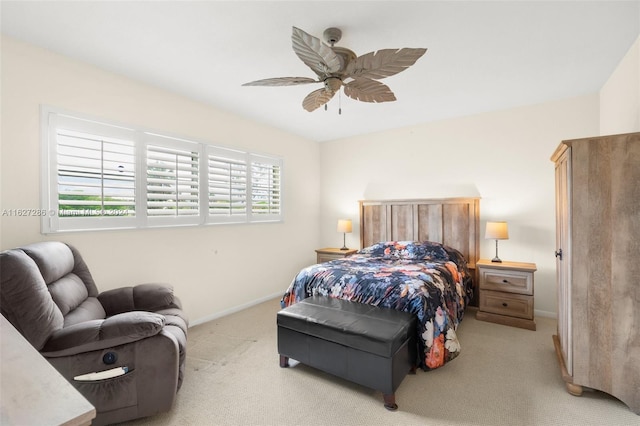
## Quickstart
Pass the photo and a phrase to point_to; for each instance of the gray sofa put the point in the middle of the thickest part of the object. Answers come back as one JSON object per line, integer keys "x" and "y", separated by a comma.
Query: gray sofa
{"x": 50, "y": 297}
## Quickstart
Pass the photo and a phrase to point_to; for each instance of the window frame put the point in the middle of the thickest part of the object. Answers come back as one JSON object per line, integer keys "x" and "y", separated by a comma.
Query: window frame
{"x": 52, "y": 118}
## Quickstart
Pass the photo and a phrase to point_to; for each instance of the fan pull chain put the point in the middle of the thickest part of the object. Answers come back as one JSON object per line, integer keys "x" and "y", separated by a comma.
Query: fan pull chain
{"x": 339, "y": 103}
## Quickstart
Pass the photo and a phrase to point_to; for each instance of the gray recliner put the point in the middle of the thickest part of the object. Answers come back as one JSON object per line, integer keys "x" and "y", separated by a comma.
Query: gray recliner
{"x": 48, "y": 294}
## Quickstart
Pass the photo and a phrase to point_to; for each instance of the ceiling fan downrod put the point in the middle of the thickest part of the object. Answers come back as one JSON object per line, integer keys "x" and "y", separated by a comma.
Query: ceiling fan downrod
{"x": 332, "y": 35}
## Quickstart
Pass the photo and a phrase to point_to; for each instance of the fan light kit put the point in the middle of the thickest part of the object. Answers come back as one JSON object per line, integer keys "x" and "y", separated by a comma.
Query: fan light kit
{"x": 338, "y": 67}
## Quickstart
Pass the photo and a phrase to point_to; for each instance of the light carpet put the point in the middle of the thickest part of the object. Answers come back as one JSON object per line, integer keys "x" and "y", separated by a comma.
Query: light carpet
{"x": 503, "y": 376}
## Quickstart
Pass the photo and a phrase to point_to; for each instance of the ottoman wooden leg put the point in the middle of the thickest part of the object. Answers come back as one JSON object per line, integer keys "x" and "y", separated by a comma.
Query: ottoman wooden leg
{"x": 390, "y": 401}
{"x": 284, "y": 361}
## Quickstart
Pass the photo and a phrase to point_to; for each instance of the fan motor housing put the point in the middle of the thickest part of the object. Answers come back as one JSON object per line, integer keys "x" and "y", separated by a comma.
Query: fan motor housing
{"x": 332, "y": 84}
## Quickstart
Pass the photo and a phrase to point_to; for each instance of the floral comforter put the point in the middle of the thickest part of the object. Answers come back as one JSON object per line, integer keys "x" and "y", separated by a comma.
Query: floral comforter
{"x": 425, "y": 278}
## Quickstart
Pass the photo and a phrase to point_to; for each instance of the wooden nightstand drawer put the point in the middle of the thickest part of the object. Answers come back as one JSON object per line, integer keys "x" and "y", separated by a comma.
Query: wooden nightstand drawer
{"x": 514, "y": 305}
{"x": 520, "y": 282}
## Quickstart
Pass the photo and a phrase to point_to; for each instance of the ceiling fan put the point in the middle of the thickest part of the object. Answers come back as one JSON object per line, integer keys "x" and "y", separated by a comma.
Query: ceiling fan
{"x": 338, "y": 67}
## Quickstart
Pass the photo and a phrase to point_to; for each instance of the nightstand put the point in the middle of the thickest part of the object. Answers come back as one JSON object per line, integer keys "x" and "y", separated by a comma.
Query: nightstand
{"x": 327, "y": 254}
{"x": 506, "y": 293}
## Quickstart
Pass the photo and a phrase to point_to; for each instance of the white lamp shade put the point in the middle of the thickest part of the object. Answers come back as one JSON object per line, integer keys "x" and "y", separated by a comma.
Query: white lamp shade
{"x": 344, "y": 225}
{"x": 496, "y": 231}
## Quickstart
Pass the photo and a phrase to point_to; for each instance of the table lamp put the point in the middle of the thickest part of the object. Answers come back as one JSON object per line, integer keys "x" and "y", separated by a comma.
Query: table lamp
{"x": 496, "y": 231}
{"x": 344, "y": 226}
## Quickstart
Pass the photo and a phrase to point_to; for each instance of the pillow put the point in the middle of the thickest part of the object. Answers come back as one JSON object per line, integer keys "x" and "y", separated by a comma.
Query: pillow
{"x": 407, "y": 250}
{"x": 456, "y": 257}
{"x": 435, "y": 251}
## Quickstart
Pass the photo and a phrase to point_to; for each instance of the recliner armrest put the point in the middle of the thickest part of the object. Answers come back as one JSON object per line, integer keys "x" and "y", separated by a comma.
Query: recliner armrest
{"x": 142, "y": 297}
{"x": 101, "y": 334}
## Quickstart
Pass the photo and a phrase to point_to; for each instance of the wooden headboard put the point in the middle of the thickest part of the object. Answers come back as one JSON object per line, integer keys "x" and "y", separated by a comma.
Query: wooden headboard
{"x": 454, "y": 222}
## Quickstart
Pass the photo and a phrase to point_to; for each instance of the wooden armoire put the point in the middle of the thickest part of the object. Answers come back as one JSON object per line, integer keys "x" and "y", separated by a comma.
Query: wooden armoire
{"x": 598, "y": 265}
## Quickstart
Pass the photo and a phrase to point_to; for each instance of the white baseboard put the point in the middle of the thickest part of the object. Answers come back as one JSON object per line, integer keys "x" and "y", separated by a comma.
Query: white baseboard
{"x": 238, "y": 308}
{"x": 546, "y": 314}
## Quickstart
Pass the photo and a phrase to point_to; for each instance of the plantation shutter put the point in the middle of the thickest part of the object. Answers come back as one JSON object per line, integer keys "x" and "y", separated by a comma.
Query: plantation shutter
{"x": 173, "y": 181}
{"x": 99, "y": 175}
{"x": 89, "y": 175}
{"x": 266, "y": 188}
{"x": 95, "y": 175}
{"x": 227, "y": 185}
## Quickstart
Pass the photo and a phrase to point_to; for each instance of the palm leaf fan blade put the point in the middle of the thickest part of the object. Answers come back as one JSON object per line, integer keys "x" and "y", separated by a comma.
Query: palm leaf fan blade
{"x": 282, "y": 81}
{"x": 366, "y": 90}
{"x": 384, "y": 63}
{"x": 315, "y": 54}
{"x": 317, "y": 98}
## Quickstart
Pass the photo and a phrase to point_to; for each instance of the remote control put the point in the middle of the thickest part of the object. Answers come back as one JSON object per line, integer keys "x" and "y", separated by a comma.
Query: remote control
{"x": 101, "y": 375}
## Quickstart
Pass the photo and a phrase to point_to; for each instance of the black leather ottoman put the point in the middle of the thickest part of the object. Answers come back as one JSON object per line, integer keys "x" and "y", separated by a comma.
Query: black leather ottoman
{"x": 371, "y": 346}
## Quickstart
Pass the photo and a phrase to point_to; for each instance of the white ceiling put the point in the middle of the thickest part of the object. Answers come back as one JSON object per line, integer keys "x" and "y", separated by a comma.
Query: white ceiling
{"x": 481, "y": 56}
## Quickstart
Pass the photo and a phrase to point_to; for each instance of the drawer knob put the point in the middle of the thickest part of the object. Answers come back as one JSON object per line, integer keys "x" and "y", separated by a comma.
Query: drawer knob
{"x": 505, "y": 281}
{"x": 505, "y": 304}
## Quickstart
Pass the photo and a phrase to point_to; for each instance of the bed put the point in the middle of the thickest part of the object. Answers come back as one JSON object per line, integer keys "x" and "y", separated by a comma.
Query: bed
{"x": 417, "y": 256}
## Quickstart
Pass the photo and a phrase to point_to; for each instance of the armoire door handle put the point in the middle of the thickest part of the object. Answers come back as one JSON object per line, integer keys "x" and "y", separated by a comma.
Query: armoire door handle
{"x": 559, "y": 254}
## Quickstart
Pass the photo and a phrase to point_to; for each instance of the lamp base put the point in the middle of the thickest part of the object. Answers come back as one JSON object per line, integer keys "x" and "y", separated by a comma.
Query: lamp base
{"x": 344, "y": 240}
{"x": 496, "y": 259}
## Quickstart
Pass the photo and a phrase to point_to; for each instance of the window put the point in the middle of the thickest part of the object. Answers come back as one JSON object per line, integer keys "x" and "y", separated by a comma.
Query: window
{"x": 94, "y": 175}
{"x": 172, "y": 181}
{"x": 104, "y": 176}
{"x": 265, "y": 187}
{"x": 228, "y": 183}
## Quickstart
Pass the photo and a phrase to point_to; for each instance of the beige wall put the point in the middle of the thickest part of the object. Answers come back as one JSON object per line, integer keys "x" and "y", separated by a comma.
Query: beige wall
{"x": 502, "y": 157}
{"x": 214, "y": 269}
{"x": 620, "y": 96}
